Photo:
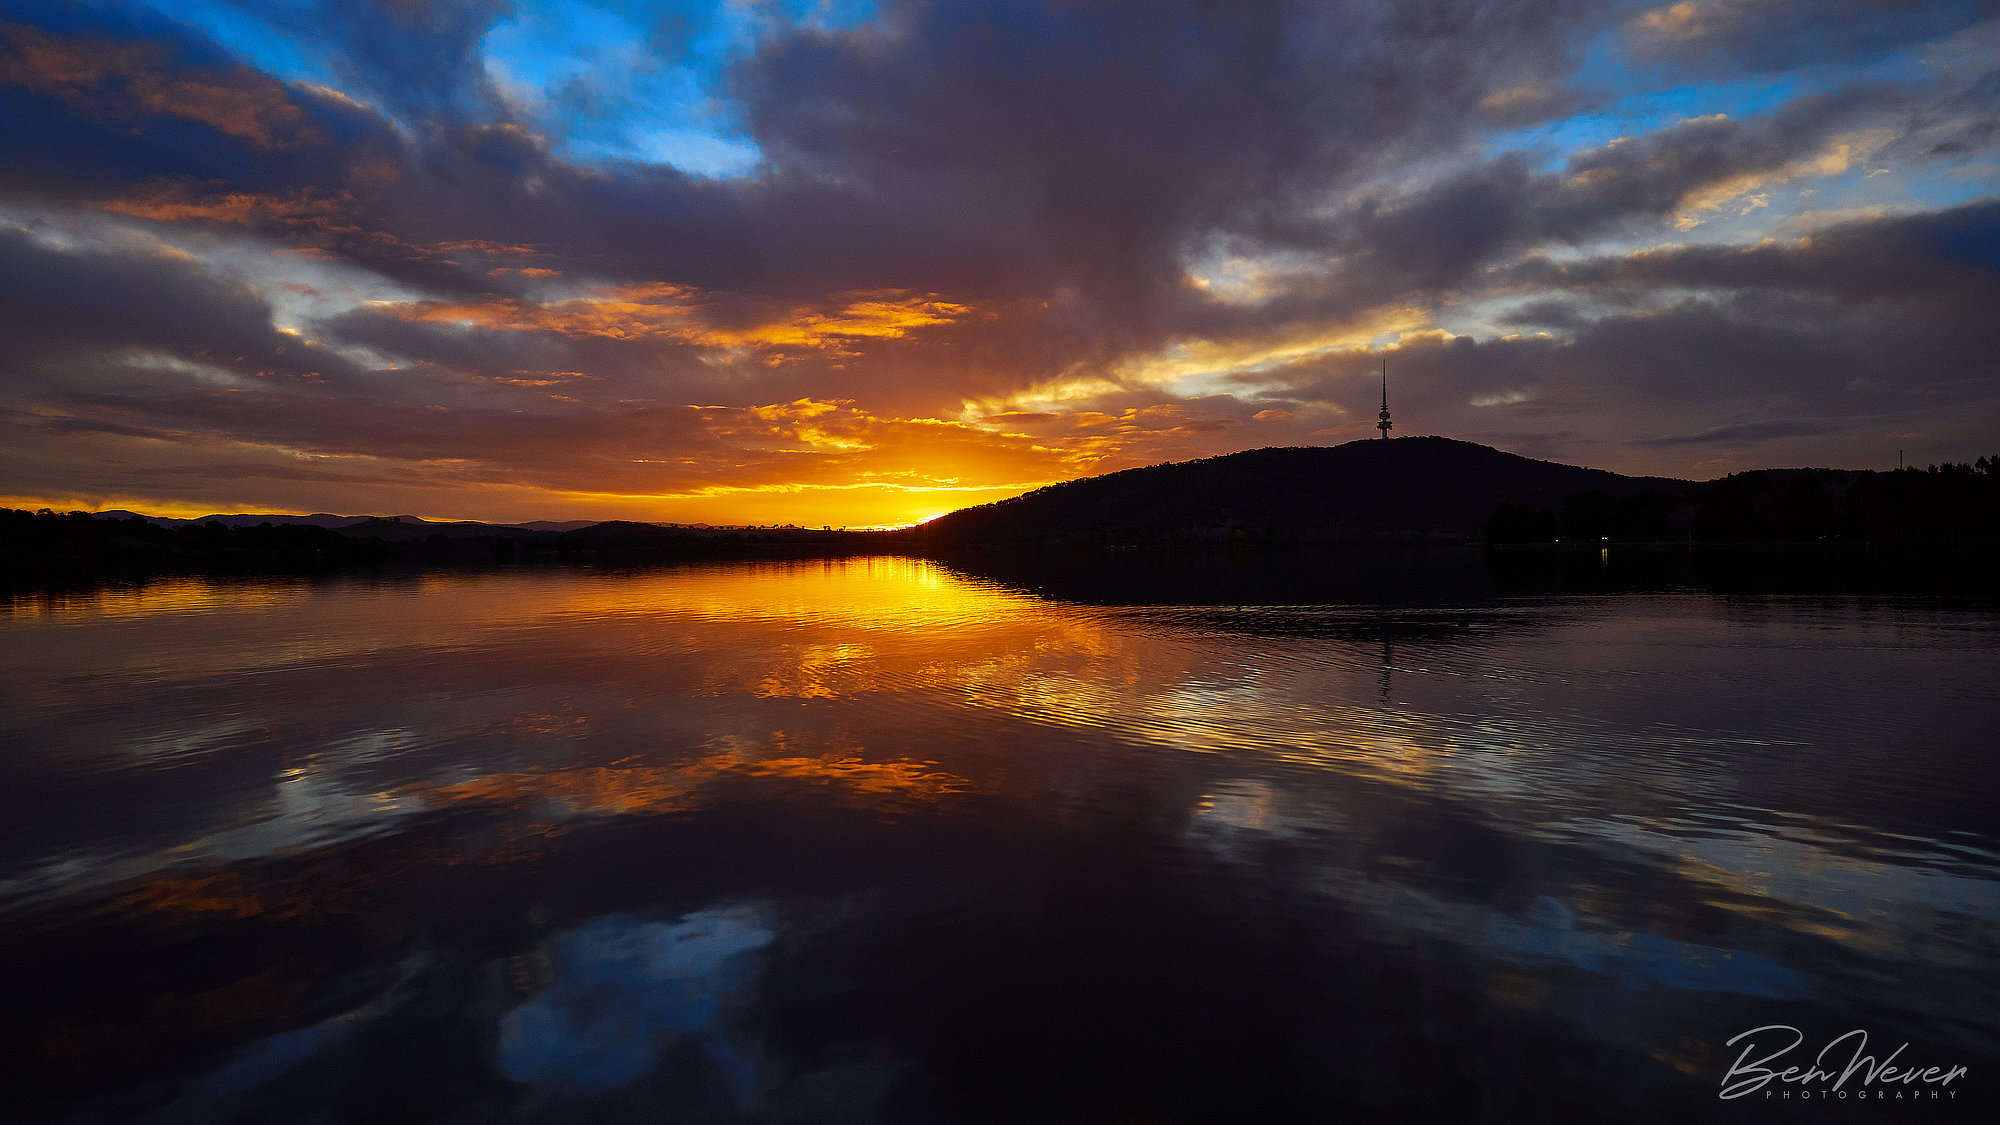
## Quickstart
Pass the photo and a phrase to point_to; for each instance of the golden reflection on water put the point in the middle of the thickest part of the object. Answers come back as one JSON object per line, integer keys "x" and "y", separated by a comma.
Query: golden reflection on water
{"x": 585, "y": 789}
{"x": 839, "y": 629}
{"x": 338, "y": 758}
{"x": 625, "y": 694}
{"x": 818, "y": 630}
{"x": 872, "y": 593}
{"x": 167, "y": 596}
{"x": 924, "y": 650}
{"x": 630, "y": 788}
{"x": 225, "y": 892}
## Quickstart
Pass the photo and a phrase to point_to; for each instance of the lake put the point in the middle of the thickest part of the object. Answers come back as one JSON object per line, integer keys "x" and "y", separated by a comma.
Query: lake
{"x": 885, "y": 840}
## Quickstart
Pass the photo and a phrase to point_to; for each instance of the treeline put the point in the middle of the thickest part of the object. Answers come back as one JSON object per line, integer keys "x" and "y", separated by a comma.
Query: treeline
{"x": 1941, "y": 505}
{"x": 47, "y": 545}
{"x": 44, "y": 547}
{"x": 1951, "y": 502}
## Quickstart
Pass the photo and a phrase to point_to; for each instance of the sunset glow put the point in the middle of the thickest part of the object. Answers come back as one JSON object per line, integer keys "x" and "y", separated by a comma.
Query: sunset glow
{"x": 860, "y": 264}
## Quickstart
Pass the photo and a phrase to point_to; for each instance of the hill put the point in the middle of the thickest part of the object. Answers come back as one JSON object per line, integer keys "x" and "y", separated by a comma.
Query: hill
{"x": 1403, "y": 491}
{"x": 1405, "y": 488}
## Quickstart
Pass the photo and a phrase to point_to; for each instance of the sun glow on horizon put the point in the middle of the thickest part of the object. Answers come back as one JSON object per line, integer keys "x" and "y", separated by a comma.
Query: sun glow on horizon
{"x": 770, "y": 263}
{"x": 860, "y": 506}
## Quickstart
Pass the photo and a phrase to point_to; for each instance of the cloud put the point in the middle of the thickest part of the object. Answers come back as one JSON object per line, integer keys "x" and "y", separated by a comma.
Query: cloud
{"x": 678, "y": 313}
{"x": 195, "y": 370}
{"x": 981, "y": 245}
{"x": 1738, "y": 434}
{"x": 123, "y": 81}
{"x": 1951, "y": 255}
{"x": 96, "y": 101}
{"x": 418, "y": 57}
{"x": 76, "y": 318}
{"x": 1874, "y": 322}
{"x": 1769, "y": 35}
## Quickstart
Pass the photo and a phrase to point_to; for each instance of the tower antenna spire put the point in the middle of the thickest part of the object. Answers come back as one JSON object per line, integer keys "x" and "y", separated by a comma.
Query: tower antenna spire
{"x": 1384, "y": 424}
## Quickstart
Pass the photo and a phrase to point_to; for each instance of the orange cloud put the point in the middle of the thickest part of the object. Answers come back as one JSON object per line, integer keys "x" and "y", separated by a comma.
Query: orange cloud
{"x": 1840, "y": 153}
{"x": 322, "y": 220}
{"x": 676, "y": 312}
{"x": 1683, "y": 20}
{"x": 880, "y": 315}
{"x": 177, "y": 204}
{"x": 486, "y": 246}
{"x": 854, "y": 446}
{"x": 133, "y": 79}
{"x": 809, "y": 462}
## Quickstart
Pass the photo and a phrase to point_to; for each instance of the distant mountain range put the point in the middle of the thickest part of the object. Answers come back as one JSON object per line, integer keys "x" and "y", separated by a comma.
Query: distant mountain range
{"x": 340, "y": 523}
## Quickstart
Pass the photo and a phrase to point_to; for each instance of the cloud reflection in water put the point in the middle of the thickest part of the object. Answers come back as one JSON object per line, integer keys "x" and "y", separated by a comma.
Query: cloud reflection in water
{"x": 715, "y": 840}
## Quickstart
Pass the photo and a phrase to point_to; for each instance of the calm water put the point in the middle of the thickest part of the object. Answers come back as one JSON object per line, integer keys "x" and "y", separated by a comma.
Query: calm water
{"x": 876, "y": 840}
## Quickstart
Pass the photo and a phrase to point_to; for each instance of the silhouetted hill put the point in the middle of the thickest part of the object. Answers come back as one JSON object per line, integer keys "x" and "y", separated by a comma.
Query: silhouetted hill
{"x": 1405, "y": 488}
{"x": 1949, "y": 502}
{"x": 407, "y": 529}
{"x": 318, "y": 519}
{"x": 1933, "y": 530}
{"x": 239, "y": 519}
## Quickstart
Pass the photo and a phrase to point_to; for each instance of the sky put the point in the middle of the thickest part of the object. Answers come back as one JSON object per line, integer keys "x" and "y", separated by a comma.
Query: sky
{"x": 863, "y": 262}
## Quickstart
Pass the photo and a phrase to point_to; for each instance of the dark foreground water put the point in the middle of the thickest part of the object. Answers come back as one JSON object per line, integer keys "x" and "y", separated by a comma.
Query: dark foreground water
{"x": 874, "y": 840}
